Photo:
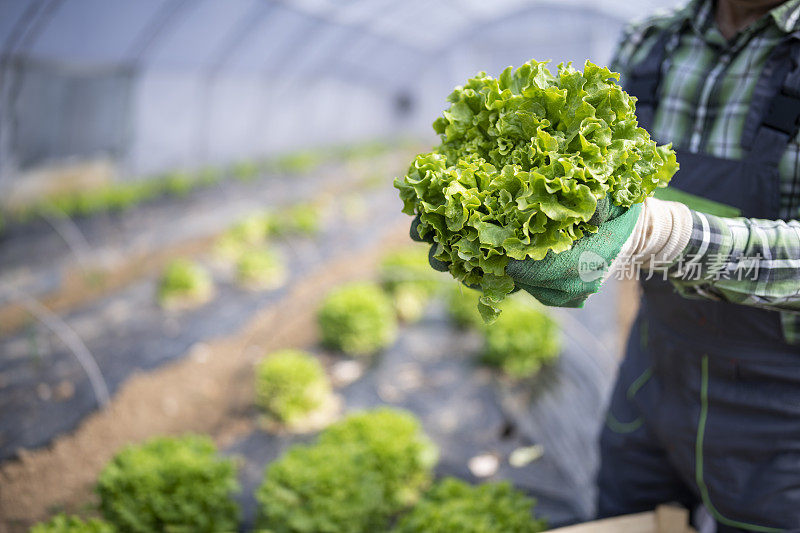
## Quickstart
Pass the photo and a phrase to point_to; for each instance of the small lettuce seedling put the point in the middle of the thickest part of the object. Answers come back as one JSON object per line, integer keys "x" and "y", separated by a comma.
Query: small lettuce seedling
{"x": 63, "y": 523}
{"x": 409, "y": 280}
{"x": 245, "y": 170}
{"x": 453, "y": 506}
{"x": 524, "y": 338}
{"x": 321, "y": 488}
{"x": 461, "y": 306}
{"x": 395, "y": 445}
{"x": 261, "y": 268}
{"x": 169, "y": 484}
{"x": 290, "y": 385}
{"x": 359, "y": 474}
{"x": 184, "y": 284}
{"x": 357, "y": 319}
{"x": 242, "y": 236}
{"x": 250, "y": 230}
{"x": 299, "y": 162}
{"x": 300, "y": 219}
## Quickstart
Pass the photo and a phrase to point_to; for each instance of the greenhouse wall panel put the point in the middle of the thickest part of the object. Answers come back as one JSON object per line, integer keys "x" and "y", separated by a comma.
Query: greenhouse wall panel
{"x": 168, "y": 112}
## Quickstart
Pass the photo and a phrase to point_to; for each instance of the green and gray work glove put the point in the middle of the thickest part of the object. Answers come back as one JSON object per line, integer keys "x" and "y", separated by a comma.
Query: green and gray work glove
{"x": 568, "y": 278}
{"x": 654, "y": 232}
{"x": 645, "y": 235}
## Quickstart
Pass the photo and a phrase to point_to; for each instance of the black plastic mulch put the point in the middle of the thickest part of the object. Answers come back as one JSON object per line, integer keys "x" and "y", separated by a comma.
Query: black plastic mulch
{"x": 127, "y": 331}
{"x": 469, "y": 410}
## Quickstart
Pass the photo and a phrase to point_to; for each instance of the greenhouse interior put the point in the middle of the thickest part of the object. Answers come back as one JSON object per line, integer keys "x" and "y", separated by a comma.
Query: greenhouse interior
{"x": 207, "y": 280}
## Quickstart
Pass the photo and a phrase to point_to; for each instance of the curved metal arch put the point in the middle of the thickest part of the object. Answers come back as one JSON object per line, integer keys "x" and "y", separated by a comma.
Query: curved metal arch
{"x": 443, "y": 15}
{"x": 287, "y": 49}
{"x": 26, "y": 18}
{"x": 362, "y": 68}
{"x": 30, "y": 26}
{"x": 362, "y": 26}
{"x": 163, "y": 19}
{"x": 237, "y": 36}
{"x": 290, "y": 49}
{"x": 522, "y": 11}
{"x": 234, "y": 39}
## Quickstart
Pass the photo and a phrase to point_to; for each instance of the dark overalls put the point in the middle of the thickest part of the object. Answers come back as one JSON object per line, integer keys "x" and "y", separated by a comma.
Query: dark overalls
{"x": 706, "y": 408}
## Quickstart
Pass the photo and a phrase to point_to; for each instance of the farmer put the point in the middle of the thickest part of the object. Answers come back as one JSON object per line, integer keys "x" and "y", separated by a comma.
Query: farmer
{"x": 706, "y": 408}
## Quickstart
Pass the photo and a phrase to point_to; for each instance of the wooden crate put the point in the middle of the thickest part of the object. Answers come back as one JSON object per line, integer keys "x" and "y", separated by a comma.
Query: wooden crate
{"x": 665, "y": 519}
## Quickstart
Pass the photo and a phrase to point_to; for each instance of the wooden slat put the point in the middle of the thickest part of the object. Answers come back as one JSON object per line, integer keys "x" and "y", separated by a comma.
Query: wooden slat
{"x": 665, "y": 519}
{"x": 636, "y": 523}
{"x": 670, "y": 519}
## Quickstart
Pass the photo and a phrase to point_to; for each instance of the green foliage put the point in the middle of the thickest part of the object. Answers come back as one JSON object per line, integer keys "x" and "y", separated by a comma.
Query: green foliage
{"x": 245, "y": 170}
{"x": 362, "y": 151}
{"x": 360, "y": 473}
{"x": 453, "y": 506}
{"x": 63, "y": 523}
{"x": 461, "y": 306}
{"x": 523, "y": 161}
{"x": 409, "y": 266}
{"x": 209, "y": 176}
{"x": 255, "y": 229}
{"x": 407, "y": 277}
{"x": 173, "y": 484}
{"x": 396, "y": 447}
{"x": 250, "y": 230}
{"x": 522, "y": 340}
{"x": 242, "y": 236}
{"x": 290, "y": 384}
{"x": 115, "y": 196}
{"x": 410, "y": 302}
{"x": 121, "y": 196}
{"x": 299, "y": 162}
{"x": 322, "y": 489}
{"x": 184, "y": 280}
{"x": 301, "y": 219}
{"x": 519, "y": 342}
{"x": 229, "y": 247}
{"x": 357, "y": 319}
{"x": 261, "y": 267}
{"x": 178, "y": 183}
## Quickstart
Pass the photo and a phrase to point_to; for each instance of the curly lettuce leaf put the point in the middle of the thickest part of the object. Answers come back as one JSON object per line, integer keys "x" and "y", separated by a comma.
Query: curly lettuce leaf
{"x": 524, "y": 158}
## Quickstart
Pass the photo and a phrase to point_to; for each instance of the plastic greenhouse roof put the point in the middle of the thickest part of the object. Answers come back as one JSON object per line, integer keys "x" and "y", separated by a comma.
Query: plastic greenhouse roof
{"x": 369, "y": 38}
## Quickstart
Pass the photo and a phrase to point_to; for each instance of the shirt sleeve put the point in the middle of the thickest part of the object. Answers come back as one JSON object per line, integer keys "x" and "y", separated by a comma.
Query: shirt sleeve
{"x": 741, "y": 260}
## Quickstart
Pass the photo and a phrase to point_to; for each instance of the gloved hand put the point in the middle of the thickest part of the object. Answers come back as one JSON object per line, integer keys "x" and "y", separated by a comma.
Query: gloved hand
{"x": 653, "y": 230}
{"x": 414, "y": 233}
{"x": 568, "y": 278}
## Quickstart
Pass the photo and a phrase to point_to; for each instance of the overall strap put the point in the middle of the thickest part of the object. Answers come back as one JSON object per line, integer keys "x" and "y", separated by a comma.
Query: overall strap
{"x": 644, "y": 79}
{"x": 774, "y": 116}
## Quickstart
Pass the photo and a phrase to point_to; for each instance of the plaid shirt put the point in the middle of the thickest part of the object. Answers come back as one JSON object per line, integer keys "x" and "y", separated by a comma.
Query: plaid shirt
{"x": 705, "y": 96}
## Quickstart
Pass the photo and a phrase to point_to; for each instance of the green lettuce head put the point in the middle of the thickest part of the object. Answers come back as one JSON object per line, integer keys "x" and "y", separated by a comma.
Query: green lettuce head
{"x": 524, "y": 158}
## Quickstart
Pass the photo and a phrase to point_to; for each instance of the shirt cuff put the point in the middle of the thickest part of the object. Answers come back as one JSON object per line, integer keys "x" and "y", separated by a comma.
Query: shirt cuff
{"x": 713, "y": 250}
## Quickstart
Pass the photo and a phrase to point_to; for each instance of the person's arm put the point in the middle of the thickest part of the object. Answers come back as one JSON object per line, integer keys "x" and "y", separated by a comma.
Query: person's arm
{"x": 741, "y": 260}
{"x": 745, "y": 261}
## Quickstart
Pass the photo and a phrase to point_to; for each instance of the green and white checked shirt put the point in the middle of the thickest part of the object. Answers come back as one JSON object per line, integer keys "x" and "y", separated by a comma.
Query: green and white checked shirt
{"x": 704, "y": 99}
